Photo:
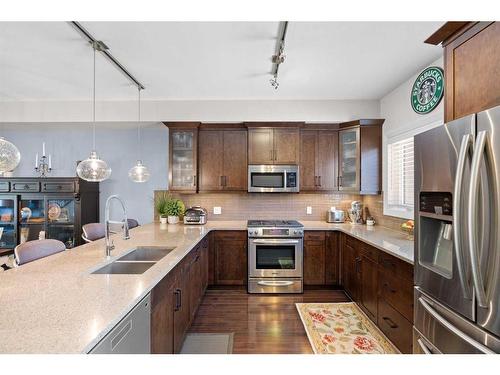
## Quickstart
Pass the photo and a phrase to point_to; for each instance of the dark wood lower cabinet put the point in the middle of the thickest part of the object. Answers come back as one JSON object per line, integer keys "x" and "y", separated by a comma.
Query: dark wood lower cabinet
{"x": 382, "y": 285}
{"x": 230, "y": 258}
{"x": 162, "y": 316}
{"x": 175, "y": 300}
{"x": 321, "y": 258}
{"x": 332, "y": 258}
{"x": 350, "y": 266}
{"x": 181, "y": 305}
{"x": 314, "y": 258}
{"x": 369, "y": 287}
{"x": 395, "y": 326}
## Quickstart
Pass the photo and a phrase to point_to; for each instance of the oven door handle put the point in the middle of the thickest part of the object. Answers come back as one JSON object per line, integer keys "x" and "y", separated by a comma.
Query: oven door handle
{"x": 276, "y": 242}
{"x": 275, "y": 283}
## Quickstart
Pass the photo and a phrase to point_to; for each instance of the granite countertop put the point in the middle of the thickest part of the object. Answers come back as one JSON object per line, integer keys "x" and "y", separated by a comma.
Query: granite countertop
{"x": 54, "y": 305}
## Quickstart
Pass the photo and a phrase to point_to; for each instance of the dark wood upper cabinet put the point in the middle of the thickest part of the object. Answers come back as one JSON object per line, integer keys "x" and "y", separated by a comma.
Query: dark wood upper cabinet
{"x": 273, "y": 145}
{"x": 260, "y": 146}
{"x": 222, "y": 160}
{"x": 318, "y": 160}
{"x": 286, "y": 146}
{"x": 308, "y": 146}
{"x": 211, "y": 151}
{"x": 235, "y": 160}
{"x": 471, "y": 66}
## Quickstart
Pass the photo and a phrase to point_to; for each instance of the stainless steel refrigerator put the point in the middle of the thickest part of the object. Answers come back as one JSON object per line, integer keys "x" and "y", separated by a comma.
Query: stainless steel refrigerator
{"x": 457, "y": 224}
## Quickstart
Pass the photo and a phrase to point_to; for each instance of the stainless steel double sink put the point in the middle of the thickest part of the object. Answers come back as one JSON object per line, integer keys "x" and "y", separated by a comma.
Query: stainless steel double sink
{"x": 136, "y": 261}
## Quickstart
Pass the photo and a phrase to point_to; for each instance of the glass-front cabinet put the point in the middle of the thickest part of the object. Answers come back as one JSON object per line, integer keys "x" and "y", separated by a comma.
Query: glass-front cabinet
{"x": 31, "y": 217}
{"x": 8, "y": 223}
{"x": 61, "y": 220}
{"x": 349, "y": 160}
{"x": 183, "y": 151}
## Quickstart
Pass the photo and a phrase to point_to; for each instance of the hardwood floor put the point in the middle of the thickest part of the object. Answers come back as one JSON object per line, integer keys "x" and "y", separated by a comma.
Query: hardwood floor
{"x": 262, "y": 324}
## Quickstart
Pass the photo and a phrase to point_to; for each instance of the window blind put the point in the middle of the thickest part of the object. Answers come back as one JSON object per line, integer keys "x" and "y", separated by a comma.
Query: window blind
{"x": 400, "y": 174}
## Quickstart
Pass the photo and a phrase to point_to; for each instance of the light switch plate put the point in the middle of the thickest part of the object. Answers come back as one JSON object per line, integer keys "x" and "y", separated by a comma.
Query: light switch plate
{"x": 217, "y": 210}
{"x": 309, "y": 210}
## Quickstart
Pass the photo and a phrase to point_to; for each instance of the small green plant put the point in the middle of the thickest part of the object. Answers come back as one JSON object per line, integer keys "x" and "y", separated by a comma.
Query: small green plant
{"x": 167, "y": 205}
{"x": 175, "y": 207}
{"x": 161, "y": 203}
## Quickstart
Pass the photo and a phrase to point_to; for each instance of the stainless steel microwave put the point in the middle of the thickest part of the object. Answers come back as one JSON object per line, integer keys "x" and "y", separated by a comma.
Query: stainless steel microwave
{"x": 273, "y": 178}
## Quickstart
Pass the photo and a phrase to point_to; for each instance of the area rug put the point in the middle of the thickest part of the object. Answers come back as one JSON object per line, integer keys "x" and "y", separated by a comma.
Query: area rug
{"x": 208, "y": 343}
{"x": 342, "y": 328}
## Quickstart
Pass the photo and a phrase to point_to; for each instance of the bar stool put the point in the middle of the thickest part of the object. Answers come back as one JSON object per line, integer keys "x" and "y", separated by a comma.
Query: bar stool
{"x": 33, "y": 250}
{"x": 132, "y": 223}
{"x": 93, "y": 232}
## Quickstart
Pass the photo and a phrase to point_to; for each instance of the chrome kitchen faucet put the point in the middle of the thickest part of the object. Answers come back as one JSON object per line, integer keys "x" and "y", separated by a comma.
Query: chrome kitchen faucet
{"x": 109, "y": 243}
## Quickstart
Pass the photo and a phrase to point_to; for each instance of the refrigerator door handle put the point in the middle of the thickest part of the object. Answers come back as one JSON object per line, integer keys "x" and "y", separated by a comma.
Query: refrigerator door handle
{"x": 465, "y": 148}
{"x": 452, "y": 328}
{"x": 424, "y": 347}
{"x": 477, "y": 277}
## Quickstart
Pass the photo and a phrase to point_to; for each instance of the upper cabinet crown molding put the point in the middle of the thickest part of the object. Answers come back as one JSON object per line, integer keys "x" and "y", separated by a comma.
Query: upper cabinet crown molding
{"x": 362, "y": 122}
{"x": 448, "y": 31}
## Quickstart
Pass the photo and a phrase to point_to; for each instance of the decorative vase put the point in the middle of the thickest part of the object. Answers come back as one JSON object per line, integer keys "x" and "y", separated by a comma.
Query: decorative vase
{"x": 163, "y": 220}
{"x": 173, "y": 219}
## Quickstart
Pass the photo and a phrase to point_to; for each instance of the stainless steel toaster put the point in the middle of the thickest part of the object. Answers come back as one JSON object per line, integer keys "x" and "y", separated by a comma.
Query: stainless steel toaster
{"x": 195, "y": 215}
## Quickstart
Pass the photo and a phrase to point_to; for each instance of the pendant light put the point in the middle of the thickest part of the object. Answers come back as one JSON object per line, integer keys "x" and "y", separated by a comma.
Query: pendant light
{"x": 93, "y": 169}
{"x": 9, "y": 156}
{"x": 139, "y": 172}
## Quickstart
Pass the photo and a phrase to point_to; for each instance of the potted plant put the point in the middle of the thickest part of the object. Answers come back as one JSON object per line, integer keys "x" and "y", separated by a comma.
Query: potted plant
{"x": 161, "y": 204}
{"x": 174, "y": 209}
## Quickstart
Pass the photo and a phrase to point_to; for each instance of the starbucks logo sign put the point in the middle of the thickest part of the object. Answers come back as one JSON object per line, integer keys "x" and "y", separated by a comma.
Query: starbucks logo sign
{"x": 427, "y": 91}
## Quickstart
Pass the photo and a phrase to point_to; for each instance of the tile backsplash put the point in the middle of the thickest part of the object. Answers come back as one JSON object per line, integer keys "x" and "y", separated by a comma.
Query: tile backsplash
{"x": 243, "y": 206}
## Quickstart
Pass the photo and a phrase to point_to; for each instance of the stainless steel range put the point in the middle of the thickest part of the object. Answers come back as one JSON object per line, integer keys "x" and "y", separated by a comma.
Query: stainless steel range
{"x": 275, "y": 256}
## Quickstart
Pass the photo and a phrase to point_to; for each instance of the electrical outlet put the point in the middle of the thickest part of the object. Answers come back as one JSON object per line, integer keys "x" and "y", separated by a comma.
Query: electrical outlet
{"x": 309, "y": 210}
{"x": 217, "y": 210}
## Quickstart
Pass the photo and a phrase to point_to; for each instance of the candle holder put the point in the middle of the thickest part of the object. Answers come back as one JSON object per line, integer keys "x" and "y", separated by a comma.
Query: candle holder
{"x": 43, "y": 165}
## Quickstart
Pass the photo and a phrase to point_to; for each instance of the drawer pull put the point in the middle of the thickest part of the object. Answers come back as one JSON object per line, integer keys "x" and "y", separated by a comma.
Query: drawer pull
{"x": 390, "y": 322}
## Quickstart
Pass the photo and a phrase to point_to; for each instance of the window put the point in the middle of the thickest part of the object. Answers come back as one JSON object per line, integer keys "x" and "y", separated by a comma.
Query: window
{"x": 399, "y": 193}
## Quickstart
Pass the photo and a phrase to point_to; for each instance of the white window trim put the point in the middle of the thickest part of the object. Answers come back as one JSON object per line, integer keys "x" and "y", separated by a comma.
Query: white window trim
{"x": 395, "y": 137}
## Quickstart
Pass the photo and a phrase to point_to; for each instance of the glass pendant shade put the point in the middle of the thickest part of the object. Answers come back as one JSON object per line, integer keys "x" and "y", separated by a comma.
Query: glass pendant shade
{"x": 139, "y": 172}
{"x": 93, "y": 169}
{"x": 9, "y": 156}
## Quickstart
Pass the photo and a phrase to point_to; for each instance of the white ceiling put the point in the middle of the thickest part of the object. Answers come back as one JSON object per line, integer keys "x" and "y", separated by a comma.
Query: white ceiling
{"x": 212, "y": 60}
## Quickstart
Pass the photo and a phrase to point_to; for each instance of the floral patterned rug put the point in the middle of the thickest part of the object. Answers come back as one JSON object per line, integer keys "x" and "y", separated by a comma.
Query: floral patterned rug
{"x": 342, "y": 328}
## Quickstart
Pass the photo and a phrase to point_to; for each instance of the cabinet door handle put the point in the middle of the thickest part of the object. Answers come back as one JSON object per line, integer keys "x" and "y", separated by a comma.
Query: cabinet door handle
{"x": 271, "y": 154}
{"x": 194, "y": 180}
{"x": 319, "y": 181}
{"x": 390, "y": 322}
{"x": 340, "y": 181}
{"x": 275, "y": 155}
{"x": 176, "y": 293}
{"x": 220, "y": 181}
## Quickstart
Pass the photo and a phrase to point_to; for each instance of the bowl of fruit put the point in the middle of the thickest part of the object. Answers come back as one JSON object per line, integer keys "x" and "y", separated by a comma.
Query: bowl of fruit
{"x": 408, "y": 226}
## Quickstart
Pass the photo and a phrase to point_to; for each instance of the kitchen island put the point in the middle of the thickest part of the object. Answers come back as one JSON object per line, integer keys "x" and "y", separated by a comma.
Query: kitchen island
{"x": 55, "y": 305}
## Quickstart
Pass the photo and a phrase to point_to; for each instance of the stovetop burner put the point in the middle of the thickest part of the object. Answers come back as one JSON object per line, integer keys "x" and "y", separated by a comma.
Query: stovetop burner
{"x": 274, "y": 223}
